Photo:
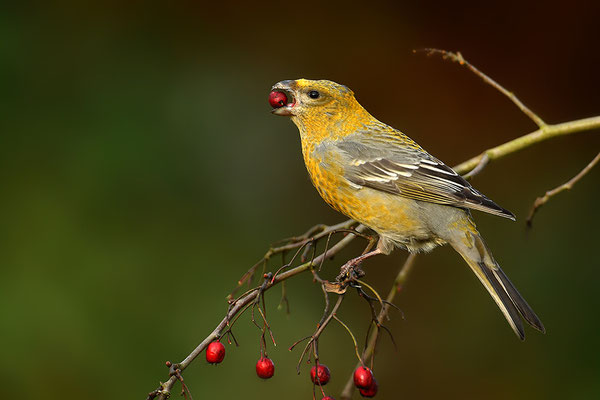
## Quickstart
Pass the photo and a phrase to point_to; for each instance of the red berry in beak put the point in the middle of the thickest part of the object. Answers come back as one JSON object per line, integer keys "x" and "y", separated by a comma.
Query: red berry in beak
{"x": 277, "y": 99}
{"x": 215, "y": 352}
{"x": 320, "y": 374}
{"x": 371, "y": 391}
{"x": 363, "y": 377}
{"x": 265, "y": 368}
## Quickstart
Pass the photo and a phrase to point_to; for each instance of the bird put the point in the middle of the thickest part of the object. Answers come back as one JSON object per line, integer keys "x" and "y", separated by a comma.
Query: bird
{"x": 381, "y": 178}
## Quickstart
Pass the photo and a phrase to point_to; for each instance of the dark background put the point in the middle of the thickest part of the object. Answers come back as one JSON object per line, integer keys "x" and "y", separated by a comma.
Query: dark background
{"x": 142, "y": 174}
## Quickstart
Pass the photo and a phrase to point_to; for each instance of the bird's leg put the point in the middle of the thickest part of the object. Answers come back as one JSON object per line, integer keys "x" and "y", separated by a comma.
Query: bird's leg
{"x": 350, "y": 270}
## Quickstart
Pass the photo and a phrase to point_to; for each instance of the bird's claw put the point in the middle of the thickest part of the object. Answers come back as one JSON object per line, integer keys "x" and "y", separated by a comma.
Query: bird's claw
{"x": 350, "y": 272}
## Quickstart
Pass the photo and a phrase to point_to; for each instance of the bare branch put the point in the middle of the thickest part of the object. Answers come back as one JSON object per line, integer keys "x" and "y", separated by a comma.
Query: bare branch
{"x": 351, "y": 336}
{"x": 478, "y": 168}
{"x": 475, "y": 165}
{"x": 401, "y": 278}
{"x": 313, "y": 340}
{"x": 458, "y": 58}
{"x": 540, "y": 201}
{"x": 295, "y": 242}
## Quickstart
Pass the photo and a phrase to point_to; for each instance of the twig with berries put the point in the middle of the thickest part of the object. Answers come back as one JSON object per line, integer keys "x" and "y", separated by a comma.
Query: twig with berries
{"x": 319, "y": 373}
{"x": 246, "y": 300}
{"x": 367, "y": 354}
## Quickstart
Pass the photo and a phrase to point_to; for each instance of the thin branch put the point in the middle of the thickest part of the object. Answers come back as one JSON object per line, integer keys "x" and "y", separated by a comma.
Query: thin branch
{"x": 478, "y": 168}
{"x": 399, "y": 282}
{"x": 475, "y": 165}
{"x": 525, "y": 141}
{"x": 314, "y": 338}
{"x": 540, "y": 201}
{"x": 351, "y": 336}
{"x": 293, "y": 243}
{"x": 458, "y": 58}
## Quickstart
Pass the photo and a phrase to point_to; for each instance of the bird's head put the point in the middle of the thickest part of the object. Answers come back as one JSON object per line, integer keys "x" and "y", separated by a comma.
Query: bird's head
{"x": 313, "y": 104}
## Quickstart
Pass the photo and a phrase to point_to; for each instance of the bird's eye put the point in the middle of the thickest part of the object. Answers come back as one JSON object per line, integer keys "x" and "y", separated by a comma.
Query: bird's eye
{"x": 313, "y": 94}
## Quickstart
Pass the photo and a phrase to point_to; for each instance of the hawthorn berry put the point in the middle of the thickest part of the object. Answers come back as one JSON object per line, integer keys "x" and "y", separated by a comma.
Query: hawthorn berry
{"x": 363, "y": 377}
{"x": 319, "y": 374}
{"x": 327, "y": 398}
{"x": 215, "y": 352}
{"x": 265, "y": 368}
{"x": 277, "y": 99}
{"x": 371, "y": 391}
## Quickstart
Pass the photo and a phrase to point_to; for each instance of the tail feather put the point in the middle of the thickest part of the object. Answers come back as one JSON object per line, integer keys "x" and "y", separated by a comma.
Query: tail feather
{"x": 524, "y": 308}
{"x": 500, "y": 296}
{"x": 504, "y": 293}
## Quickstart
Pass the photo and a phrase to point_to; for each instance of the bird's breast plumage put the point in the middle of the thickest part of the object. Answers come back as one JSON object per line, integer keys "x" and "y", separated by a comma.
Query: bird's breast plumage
{"x": 398, "y": 220}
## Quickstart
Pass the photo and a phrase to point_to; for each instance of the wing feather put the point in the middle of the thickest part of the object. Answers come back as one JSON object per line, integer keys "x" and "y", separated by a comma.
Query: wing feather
{"x": 405, "y": 169}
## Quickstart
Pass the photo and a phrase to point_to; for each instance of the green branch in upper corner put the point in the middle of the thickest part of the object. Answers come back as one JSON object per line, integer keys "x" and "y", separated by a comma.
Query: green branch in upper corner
{"x": 525, "y": 141}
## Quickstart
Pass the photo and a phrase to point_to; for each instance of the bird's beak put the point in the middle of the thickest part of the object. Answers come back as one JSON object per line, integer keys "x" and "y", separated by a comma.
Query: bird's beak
{"x": 286, "y": 87}
{"x": 285, "y": 111}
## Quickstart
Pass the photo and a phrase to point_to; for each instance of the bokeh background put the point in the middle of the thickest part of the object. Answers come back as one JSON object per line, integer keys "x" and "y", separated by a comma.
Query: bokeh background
{"x": 142, "y": 174}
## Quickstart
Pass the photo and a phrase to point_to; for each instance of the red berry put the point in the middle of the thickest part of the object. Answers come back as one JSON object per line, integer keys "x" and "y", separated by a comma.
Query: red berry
{"x": 320, "y": 374}
{"x": 363, "y": 377}
{"x": 371, "y": 391}
{"x": 265, "y": 368}
{"x": 277, "y": 99}
{"x": 327, "y": 398}
{"x": 215, "y": 352}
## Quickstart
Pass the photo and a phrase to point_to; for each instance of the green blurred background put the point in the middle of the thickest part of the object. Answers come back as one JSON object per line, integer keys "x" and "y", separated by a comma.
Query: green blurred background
{"x": 142, "y": 174}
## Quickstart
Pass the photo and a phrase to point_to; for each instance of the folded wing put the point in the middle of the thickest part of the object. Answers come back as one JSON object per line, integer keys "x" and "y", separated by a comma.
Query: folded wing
{"x": 386, "y": 161}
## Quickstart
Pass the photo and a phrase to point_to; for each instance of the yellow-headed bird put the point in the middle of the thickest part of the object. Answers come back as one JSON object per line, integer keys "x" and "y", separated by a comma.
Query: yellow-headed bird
{"x": 381, "y": 178}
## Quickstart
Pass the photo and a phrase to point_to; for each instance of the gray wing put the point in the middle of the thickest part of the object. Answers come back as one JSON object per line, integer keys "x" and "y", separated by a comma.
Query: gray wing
{"x": 405, "y": 169}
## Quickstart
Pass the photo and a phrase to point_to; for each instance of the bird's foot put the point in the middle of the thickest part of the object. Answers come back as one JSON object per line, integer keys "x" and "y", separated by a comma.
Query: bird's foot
{"x": 350, "y": 271}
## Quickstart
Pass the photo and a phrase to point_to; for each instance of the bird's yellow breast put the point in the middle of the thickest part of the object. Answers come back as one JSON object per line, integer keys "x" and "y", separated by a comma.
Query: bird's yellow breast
{"x": 329, "y": 182}
{"x": 385, "y": 213}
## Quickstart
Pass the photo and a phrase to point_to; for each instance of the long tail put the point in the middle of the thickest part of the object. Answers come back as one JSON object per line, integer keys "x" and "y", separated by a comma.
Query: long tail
{"x": 504, "y": 293}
